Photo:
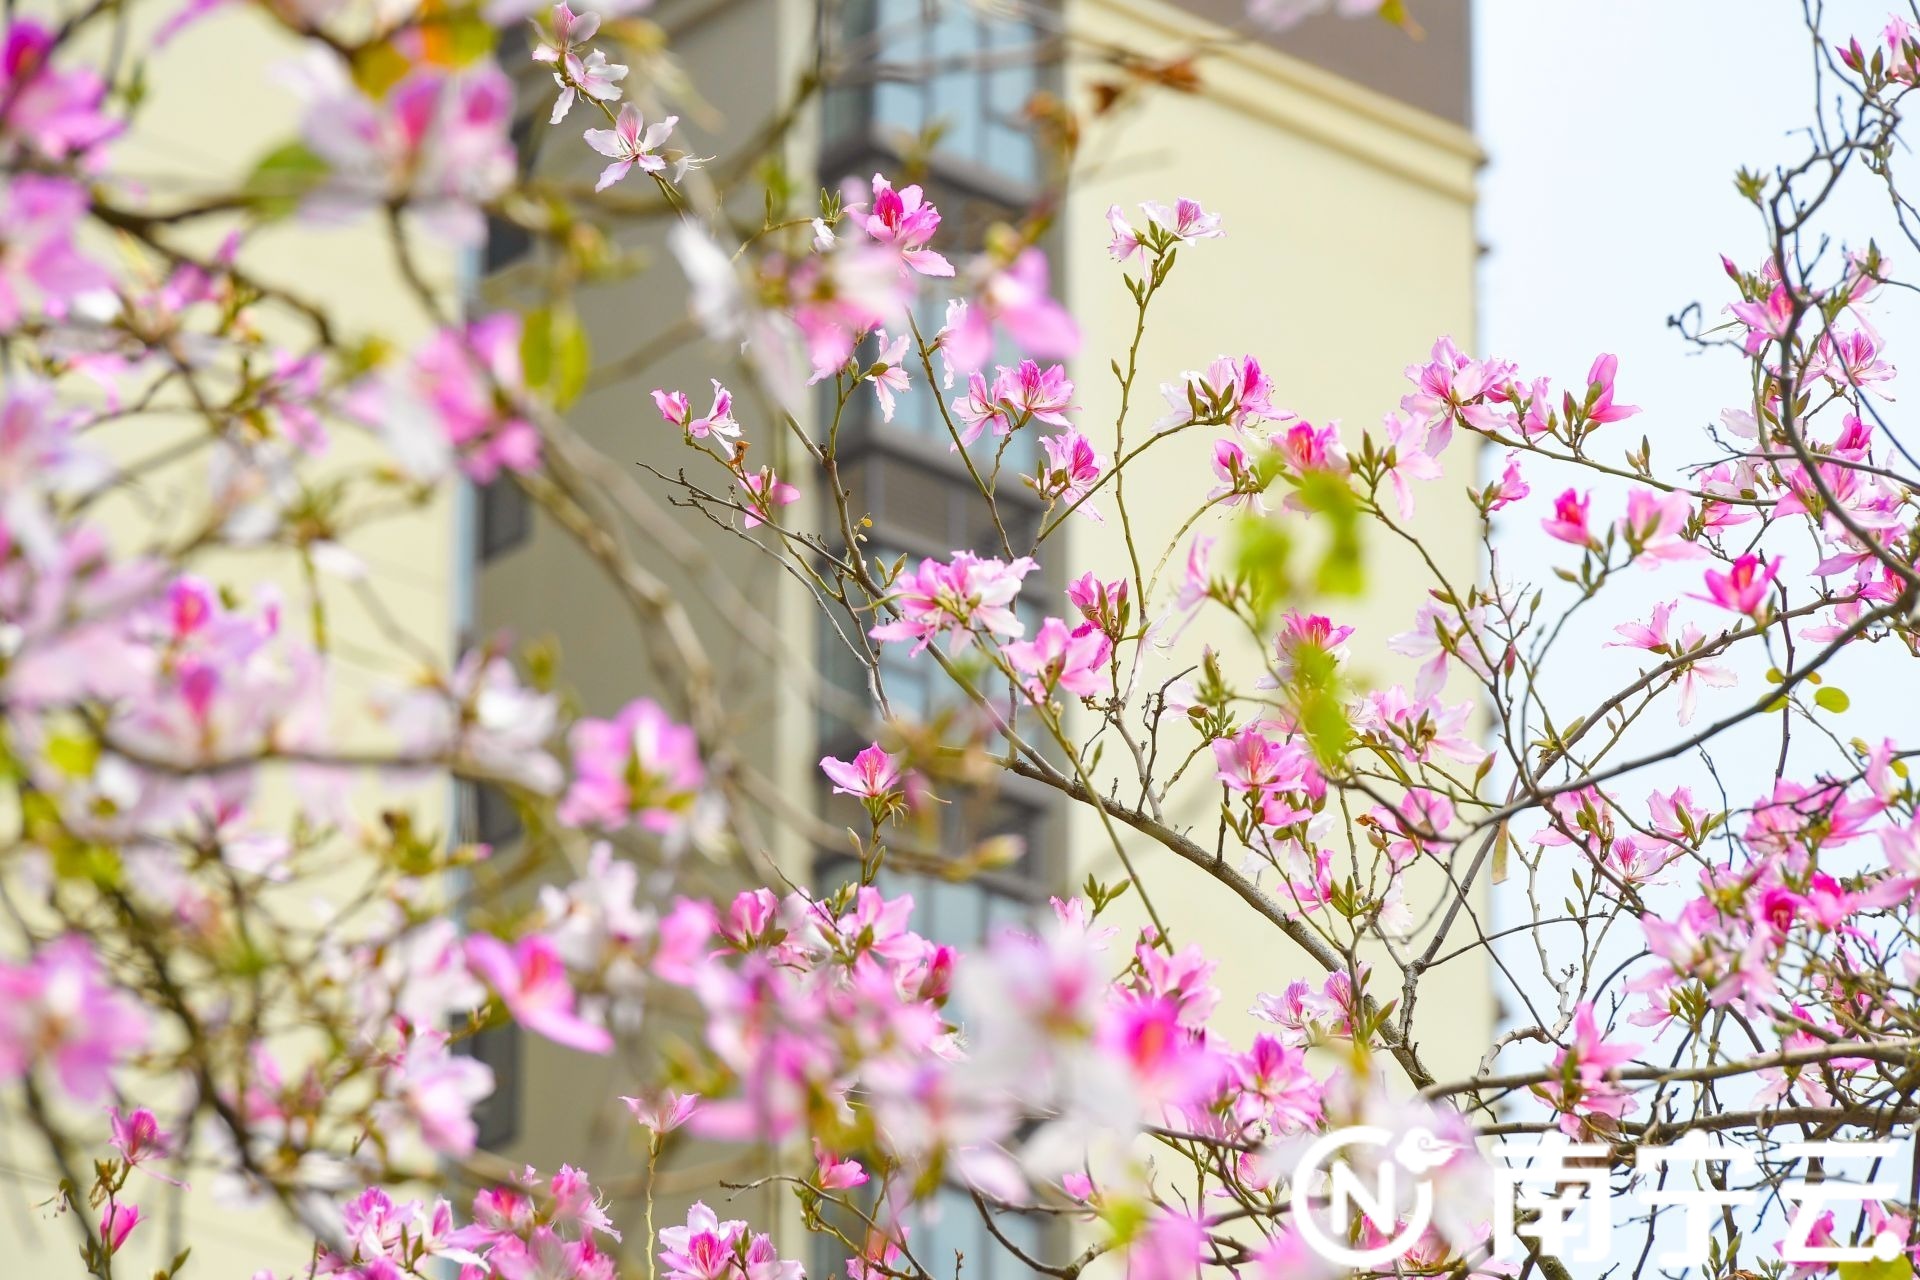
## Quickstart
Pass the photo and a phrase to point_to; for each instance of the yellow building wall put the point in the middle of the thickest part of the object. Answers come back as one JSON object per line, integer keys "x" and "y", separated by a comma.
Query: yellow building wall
{"x": 1349, "y": 247}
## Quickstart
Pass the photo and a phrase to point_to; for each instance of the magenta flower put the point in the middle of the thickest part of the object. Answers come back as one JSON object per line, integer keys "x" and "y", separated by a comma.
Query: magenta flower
{"x": 664, "y": 1112}
{"x": 436, "y": 1091}
{"x": 871, "y": 775}
{"x": 1102, "y": 603}
{"x": 437, "y": 142}
{"x": 956, "y": 599}
{"x": 53, "y": 113}
{"x": 1072, "y": 661}
{"x": 1305, "y": 447}
{"x": 59, "y": 1010}
{"x": 719, "y": 422}
{"x": 1568, "y": 522}
{"x": 1655, "y": 526}
{"x": 1185, "y": 222}
{"x": 117, "y": 1222}
{"x": 1584, "y": 1092}
{"x": 1599, "y": 408}
{"x": 1510, "y": 487}
{"x": 1768, "y": 321}
{"x": 1276, "y": 776}
{"x": 981, "y": 408}
{"x": 41, "y": 267}
{"x": 889, "y": 373}
{"x": 704, "y": 1249}
{"x": 455, "y": 400}
{"x": 1044, "y": 395}
{"x": 766, "y": 494}
{"x": 1014, "y": 298}
{"x": 1302, "y": 633}
{"x": 1743, "y": 588}
{"x": 1070, "y": 471}
{"x": 532, "y": 982}
{"x": 1235, "y": 392}
{"x": 631, "y": 144}
{"x": 139, "y": 1138}
{"x": 640, "y": 768}
{"x": 559, "y": 45}
{"x": 1125, "y": 241}
{"x": 1412, "y": 445}
{"x": 831, "y": 1173}
{"x": 906, "y": 220}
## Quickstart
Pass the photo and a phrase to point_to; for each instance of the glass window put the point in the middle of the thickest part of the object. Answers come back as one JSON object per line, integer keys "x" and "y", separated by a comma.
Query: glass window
{"x": 940, "y": 65}
{"x": 505, "y": 515}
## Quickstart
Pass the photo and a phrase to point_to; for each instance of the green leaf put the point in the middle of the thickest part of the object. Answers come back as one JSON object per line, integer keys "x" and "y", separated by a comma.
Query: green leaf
{"x": 573, "y": 357}
{"x": 555, "y": 355}
{"x": 1832, "y": 700}
{"x": 1878, "y": 1269}
{"x": 282, "y": 179}
{"x": 536, "y": 346}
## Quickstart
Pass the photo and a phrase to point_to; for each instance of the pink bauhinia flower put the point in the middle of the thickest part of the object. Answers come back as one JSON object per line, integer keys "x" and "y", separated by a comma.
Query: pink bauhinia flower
{"x": 1056, "y": 658}
{"x": 1584, "y": 1092}
{"x": 955, "y": 599}
{"x": 1241, "y": 483}
{"x": 117, "y": 1222}
{"x": 1041, "y": 394}
{"x": 437, "y": 142}
{"x": 1510, "y": 487}
{"x": 436, "y": 1091}
{"x": 765, "y": 494}
{"x": 888, "y": 373}
{"x": 1015, "y": 298}
{"x": 1125, "y": 241}
{"x": 531, "y": 981}
{"x": 59, "y": 1010}
{"x": 1411, "y": 444}
{"x": 456, "y": 401}
{"x": 979, "y": 409}
{"x": 718, "y": 423}
{"x": 1102, "y": 603}
{"x": 50, "y": 111}
{"x": 1768, "y": 321}
{"x": 1655, "y": 525}
{"x": 641, "y": 768}
{"x": 1070, "y": 471}
{"x": 559, "y": 45}
{"x": 138, "y": 1138}
{"x": 1599, "y": 409}
{"x": 663, "y": 1112}
{"x": 42, "y": 268}
{"x": 1185, "y": 222}
{"x": 1743, "y": 587}
{"x": 1236, "y": 392}
{"x": 703, "y": 1249}
{"x": 631, "y": 144}
{"x": 906, "y": 220}
{"x": 1568, "y": 522}
{"x": 870, "y": 775}
{"x": 831, "y": 1173}
{"x": 1304, "y": 634}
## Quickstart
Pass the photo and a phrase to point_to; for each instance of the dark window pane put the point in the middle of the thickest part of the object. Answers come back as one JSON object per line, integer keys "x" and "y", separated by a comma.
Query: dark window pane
{"x": 507, "y": 243}
{"x": 496, "y": 821}
{"x": 505, "y": 515}
{"x": 498, "y": 1116}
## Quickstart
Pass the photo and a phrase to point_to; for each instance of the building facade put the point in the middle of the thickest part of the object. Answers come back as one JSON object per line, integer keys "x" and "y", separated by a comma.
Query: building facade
{"x": 1343, "y": 161}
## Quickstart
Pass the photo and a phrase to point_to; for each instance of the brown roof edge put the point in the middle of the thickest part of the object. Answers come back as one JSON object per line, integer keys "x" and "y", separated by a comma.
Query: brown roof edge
{"x": 1432, "y": 70}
